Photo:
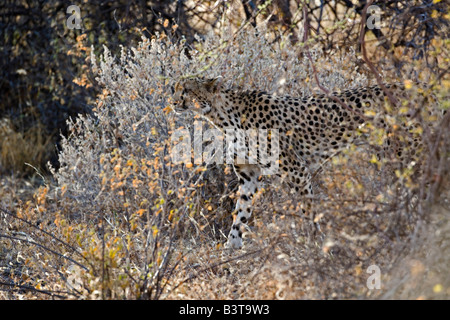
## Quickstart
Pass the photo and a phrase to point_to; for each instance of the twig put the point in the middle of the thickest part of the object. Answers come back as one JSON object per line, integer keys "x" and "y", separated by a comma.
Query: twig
{"x": 45, "y": 248}
{"x": 37, "y": 171}
{"x": 30, "y": 288}
{"x": 372, "y": 68}
{"x": 316, "y": 78}
{"x": 221, "y": 263}
{"x": 43, "y": 231}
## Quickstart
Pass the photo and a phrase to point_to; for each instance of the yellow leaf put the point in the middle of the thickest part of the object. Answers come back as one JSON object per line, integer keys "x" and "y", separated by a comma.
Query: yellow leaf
{"x": 63, "y": 189}
{"x": 403, "y": 110}
{"x": 159, "y": 260}
{"x": 171, "y": 215}
{"x": 417, "y": 130}
{"x": 168, "y": 109}
{"x": 408, "y": 84}
{"x": 437, "y": 288}
{"x": 373, "y": 159}
{"x": 358, "y": 270}
{"x": 370, "y": 113}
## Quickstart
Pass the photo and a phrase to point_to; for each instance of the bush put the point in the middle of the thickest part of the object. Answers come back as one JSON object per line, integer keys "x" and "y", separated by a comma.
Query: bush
{"x": 123, "y": 221}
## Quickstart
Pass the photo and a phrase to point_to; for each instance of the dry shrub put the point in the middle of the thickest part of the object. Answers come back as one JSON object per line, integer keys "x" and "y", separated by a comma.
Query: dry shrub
{"x": 124, "y": 222}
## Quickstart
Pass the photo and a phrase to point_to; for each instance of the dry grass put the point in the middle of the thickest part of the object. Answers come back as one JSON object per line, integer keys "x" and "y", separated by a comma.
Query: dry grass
{"x": 20, "y": 150}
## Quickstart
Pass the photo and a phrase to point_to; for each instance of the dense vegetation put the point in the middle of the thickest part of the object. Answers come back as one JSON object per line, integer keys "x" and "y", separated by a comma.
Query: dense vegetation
{"x": 112, "y": 217}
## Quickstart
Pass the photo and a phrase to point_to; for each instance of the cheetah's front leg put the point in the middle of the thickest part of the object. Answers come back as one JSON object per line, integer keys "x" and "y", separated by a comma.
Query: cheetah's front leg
{"x": 249, "y": 183}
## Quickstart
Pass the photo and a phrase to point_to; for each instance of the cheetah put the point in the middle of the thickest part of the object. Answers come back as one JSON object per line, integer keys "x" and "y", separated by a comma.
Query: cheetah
{"x": 310, "y": 130}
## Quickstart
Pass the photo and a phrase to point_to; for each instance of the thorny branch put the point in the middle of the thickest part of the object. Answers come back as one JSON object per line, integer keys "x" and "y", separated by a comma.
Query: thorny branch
{"x": 308, "y": 54}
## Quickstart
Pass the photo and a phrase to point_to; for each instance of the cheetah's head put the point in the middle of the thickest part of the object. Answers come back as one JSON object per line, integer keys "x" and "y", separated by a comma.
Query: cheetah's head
{"x": 198, "y": 95}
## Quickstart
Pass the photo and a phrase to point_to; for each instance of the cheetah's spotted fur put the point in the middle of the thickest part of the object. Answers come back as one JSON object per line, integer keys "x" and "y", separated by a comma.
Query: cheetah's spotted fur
{"x": 311, "y": 129}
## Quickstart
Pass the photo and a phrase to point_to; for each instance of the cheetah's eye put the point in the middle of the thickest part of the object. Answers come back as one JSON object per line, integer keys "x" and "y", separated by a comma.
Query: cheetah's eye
{"x": 179, "y": 98}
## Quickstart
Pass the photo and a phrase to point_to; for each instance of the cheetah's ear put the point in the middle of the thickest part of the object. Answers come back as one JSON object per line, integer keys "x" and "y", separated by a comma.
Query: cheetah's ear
{"x": 213, "y": 85}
